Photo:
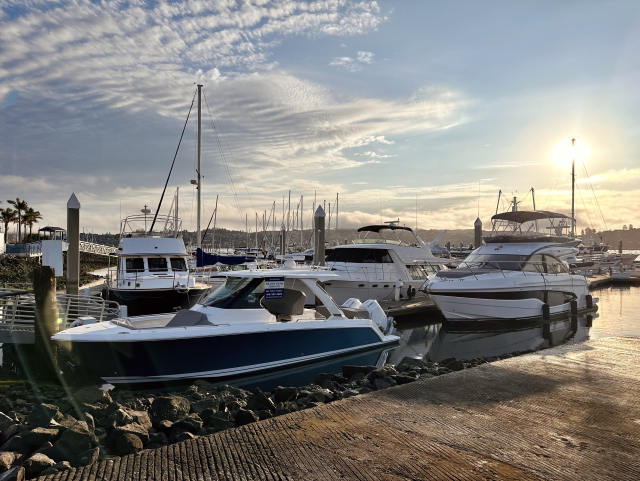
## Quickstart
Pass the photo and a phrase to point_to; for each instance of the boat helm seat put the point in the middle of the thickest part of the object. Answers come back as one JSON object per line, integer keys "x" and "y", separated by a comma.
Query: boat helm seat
{"x": 291, "y": 304}
{"x": 186, "y": 318}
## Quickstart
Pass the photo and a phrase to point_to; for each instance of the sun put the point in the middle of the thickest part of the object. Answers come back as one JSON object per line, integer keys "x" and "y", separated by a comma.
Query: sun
{"x": 564, "y": 152}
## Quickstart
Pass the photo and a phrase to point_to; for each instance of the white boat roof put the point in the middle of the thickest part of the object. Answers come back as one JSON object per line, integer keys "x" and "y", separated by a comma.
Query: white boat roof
{"x": 305, "y": 273}
{"x": 132, "y": 246}
{"x": 516, "y": 248}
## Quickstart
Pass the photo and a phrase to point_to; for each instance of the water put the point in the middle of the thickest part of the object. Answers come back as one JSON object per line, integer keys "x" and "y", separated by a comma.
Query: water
{"x": 616, "y": 316}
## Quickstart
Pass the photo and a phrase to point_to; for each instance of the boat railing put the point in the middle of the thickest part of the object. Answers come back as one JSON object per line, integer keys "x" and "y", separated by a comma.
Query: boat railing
{"x": 18, "y": 309}
{"x": 115, "y": 278}
{"x": 490, "y": 267}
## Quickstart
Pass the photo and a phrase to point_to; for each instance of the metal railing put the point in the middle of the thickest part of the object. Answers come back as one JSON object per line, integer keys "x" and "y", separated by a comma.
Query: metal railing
{"x": 491, "y": 267}
{"x": 18, "y": 309}
{"x": 115, "y": 277}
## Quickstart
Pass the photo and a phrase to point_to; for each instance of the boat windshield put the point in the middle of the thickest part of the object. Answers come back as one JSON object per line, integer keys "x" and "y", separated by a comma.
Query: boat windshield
{"x": 237, "y": 293}
{"x": 505, "y": 262}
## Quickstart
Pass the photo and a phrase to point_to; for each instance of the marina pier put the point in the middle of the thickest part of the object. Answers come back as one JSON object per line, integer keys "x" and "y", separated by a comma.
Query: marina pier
{"x": 567, "y": 413}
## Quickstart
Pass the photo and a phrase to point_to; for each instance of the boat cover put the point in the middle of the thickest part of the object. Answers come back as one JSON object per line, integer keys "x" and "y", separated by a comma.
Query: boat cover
{"x": 204, "y": 259}
{"x": 186, "y": 318}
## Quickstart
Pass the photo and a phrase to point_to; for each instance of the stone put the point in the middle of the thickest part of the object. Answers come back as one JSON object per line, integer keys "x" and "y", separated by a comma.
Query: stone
{"x": 92, "y": 395}
{"x": 5, "y": 421}
{"x": 284, "y": 394}
{"x": 244, "y": 416}
{"x": 158, "y": 438}
{"x": 49, "y": 471}
{"x": 259, "y": 401}
{"x": 403, "y": 379}
{"x": 380, "y": 384}
{"x": 349, "y": 393}
{"x": 133, "y": 428}
{"x": 118, "y": 418}
{"x": 63, "y": 466}
{"x": 426, "y": 375}
{"x": 191, "y": 424}
{"x": 75, "y": 440}
{"x": 199, "y": 407}
{"x": 128, "y": 444}
{"x": 281, "y": 412}
{"x": 48, "y": 450}
{"x": 91, "y": 423}
{"x": 204, "y": 386}
{"x": 349, "y": 371}
{"x": 217, "y": 424}
{"x": 184, "y": 436}
{"x": 96, "y": 410}
{"x": 42, "y": 415}
{"x": 85, "y": 459}
{"x": 455, "y": 365}
{"x": 358, "y": 376}
{"x": 409, "y": 363}
{"x": 38, "y": 436}
{"x": 365, "y": 390}
{"x": 6, "y": 460}
{"x": 165, "y": 426}
{"x": 67, "y": 421}
{"x": 141, "y": 417}
{"x": 206, "y": 414}
{"x": 321, "y": 396}
{"x": 17, "y": 444}
{"x": 14, "y": 474}
{"x": 5, "y": 404}
{"x": 9, "y": 431}
{"x": 36, "y": 464}
{"x": 264, "y": 414}
{"x": 446, "y": 361}
{"x": 172, "y": 408}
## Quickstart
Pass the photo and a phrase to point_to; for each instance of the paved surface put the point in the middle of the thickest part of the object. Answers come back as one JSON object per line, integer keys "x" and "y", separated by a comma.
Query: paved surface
{"x": 565, "y": 413}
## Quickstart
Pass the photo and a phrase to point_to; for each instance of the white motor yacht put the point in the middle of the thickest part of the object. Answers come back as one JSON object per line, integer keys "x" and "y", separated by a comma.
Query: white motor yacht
{"x": 254, "y": 330}
{"x": 152, "y": 274}
{"x": 378, "y": 268}
{"x": 518, "y": 273}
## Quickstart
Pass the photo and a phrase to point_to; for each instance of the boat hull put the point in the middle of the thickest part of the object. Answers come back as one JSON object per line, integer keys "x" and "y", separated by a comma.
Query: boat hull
{"x": 227, "y": 358}
{"x": 142, "y": 302}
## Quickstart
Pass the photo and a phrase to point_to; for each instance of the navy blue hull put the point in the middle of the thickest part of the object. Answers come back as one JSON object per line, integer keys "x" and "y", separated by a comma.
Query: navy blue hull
{"x": 224, "y": 358}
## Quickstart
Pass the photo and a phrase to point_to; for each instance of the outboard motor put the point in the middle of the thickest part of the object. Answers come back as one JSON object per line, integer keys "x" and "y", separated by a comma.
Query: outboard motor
{"x": 377, "y": 315}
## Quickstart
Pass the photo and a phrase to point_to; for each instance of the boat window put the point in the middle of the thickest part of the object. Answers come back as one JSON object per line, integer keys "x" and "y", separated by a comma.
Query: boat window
{"x": 505, "y": 262}
{"x": 554, "y": 266}
{"x": 535, "y": 264}
{"x": 157, "y": 264}
{"x": 135, "y": 264}
{"x": 360, "y": 256}
{"x": 237, "y": 293}
{"x": 178, "y": 264}
{"x": 417, "y": 272}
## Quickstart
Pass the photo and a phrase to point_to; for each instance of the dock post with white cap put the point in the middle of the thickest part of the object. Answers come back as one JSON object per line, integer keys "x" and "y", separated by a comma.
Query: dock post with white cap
{"x": 73, "y": 238}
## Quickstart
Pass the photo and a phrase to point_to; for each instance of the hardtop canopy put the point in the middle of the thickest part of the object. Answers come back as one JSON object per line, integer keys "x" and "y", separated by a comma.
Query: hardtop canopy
{"x": 378, "y": 227}
{"x": 522, "y": 216}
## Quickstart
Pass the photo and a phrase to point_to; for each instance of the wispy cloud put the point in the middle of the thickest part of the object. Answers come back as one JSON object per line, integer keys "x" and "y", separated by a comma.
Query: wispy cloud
{"x": 353, "y": 64}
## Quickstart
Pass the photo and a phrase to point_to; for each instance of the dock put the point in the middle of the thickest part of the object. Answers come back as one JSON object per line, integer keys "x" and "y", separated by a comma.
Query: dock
{"x": 566, "y": 413}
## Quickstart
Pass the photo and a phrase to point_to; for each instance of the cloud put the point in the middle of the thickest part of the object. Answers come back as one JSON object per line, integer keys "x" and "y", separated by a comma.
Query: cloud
{"x": 507, "y": 165}
{"x": 353, "y": 64}
{"x": 375, "y": 155}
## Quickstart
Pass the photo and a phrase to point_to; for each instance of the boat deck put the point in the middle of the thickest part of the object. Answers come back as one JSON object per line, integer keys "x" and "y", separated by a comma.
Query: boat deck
{"x": 566, "y": 413}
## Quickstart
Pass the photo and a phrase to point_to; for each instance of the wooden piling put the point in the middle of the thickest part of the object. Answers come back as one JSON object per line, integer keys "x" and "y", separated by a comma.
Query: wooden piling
{"x": 46, "y": 323}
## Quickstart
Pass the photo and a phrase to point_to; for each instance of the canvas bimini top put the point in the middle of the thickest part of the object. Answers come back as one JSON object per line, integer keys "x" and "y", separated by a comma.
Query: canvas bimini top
{"x": 531, "y": 226}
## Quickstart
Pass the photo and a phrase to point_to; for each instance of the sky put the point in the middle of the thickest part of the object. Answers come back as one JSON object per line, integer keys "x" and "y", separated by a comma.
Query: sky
{"x": 417, "y": 110}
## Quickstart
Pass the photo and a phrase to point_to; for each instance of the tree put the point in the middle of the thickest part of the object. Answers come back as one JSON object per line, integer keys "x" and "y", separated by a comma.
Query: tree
{"x": 21, "y": 206}
{"x": 31, "y": 217}
{"x": 8, "y": 216}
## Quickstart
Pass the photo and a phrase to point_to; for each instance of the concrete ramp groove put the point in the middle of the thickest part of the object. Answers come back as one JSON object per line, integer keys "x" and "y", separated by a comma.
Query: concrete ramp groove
{"x": 567, "y": 413}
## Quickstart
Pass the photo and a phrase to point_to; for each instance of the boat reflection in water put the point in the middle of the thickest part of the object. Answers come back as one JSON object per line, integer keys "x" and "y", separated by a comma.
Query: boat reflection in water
{"x": 471, "y": 340}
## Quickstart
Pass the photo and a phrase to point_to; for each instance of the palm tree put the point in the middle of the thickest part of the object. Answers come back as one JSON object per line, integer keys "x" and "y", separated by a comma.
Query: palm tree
{"x": 8, "y": 216}
{"x": 31, "y": 217}
{"x": 21, "y": 206}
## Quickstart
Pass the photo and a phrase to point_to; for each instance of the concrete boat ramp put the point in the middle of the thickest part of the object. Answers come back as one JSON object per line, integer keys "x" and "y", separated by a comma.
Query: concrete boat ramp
{"x": 567, "y": 413}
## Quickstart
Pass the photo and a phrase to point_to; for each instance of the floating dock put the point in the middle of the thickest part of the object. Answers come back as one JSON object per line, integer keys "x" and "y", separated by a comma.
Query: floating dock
{"x": 566, "y": 413}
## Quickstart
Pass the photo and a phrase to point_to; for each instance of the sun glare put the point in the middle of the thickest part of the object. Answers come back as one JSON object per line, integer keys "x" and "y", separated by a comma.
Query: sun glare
{"x": 564, "y": 152}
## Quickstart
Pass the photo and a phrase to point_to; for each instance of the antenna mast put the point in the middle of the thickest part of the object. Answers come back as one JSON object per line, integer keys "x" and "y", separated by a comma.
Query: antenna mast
{"x": 573, "y": 187}
{"x": 199, "y": 176}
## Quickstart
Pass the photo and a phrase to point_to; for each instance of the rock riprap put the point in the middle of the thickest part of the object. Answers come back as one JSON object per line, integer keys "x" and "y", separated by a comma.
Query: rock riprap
{"x": 47, "y": 429}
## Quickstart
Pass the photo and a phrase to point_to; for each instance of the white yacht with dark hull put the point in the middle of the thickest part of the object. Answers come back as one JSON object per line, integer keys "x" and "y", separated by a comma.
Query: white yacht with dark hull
{"x": 152, "y": 276}
{"x": 518, "y": 273}
{"x": 252, "y": 331}
{"x": 374, "y": 267}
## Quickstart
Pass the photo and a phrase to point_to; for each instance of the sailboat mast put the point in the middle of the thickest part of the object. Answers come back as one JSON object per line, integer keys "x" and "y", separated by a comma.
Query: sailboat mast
{"x": 199, "y": 184}
{"x": 176, "y": 214}
{"x": 573, "y": 187}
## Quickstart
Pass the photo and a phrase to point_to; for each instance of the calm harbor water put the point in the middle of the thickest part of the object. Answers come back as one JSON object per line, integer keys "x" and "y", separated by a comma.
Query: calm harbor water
{"x": 617, "y": 315}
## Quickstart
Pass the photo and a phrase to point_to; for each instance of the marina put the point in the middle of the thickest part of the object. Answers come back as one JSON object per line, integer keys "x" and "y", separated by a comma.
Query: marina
{"x": 310, "y": 240}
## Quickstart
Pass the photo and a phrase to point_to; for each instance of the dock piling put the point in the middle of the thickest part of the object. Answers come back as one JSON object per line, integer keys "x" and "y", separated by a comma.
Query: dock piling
{"x": 73, "y": 238}
{"x": 46, "y": 322}
{"x": 318, "y": 254}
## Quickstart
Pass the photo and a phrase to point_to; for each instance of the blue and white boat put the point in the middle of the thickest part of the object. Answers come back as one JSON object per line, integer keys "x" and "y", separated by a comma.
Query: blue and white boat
{"x": 253, "y": 327}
